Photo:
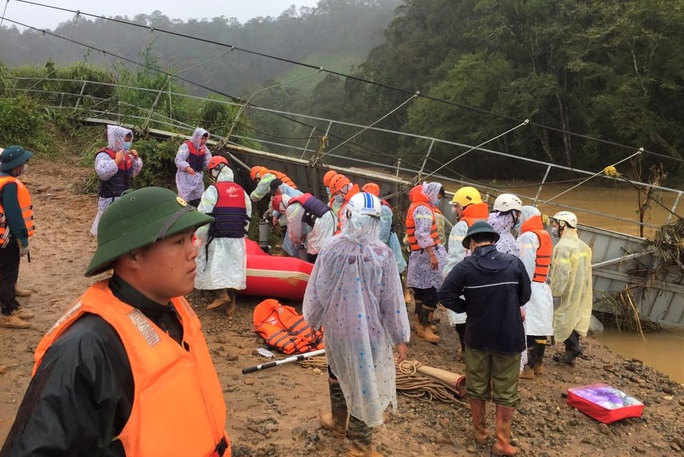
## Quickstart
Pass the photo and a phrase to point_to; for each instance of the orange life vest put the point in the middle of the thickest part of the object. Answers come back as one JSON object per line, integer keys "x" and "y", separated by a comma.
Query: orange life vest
{"x": 164, "y": 374}
{"x": 474, "y": 212}
{"x": 24, "y": 203}
{"x": 418, "y": 198}
{"x": 542, "y": 262}
{"x": 284, "y": 178}
{"x": 284, "y": 329}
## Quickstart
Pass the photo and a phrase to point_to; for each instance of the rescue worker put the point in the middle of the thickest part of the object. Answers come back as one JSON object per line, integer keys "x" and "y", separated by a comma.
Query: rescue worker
{"x": 339, "y": 186}
{"x": 16, "y": 226}
{"x": 387, "y": 233}
{"x": 491, "y": 288}
{"x": 505, "y": 216}
{"x": 571, "y": 285}
{"x": 115, "y": 166}
{"x": 18, "y": 291}
{"x": 426, "y": 260}
{"x": 355, "y": 293}
{"x": 309, "y": 221}
{"x": 272, "y": 182}
{"x": 192, "y": 158}
{"x": 222, "y": 259}
{"x": 469, "y": 208}
{"x": 107, "y": 372}
{"x": 535, "y": 253}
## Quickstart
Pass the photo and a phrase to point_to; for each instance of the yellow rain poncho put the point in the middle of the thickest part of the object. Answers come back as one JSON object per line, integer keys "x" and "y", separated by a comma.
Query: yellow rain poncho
{"x": 571, "y": 281}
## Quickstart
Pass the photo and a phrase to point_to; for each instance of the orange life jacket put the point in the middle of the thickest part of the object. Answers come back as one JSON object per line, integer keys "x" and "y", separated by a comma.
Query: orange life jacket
{"x": 284, "y": 178}
{"x": 542, "y": 262}
{"x": 419, "y": 199}
{"x": 284, "y": 329}
{"x": 474, "y": 212}
{"x": 24, "y": 203}
{"x": 164, "y": 374}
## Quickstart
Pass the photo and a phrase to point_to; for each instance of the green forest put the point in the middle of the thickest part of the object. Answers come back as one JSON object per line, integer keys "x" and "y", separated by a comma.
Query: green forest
{"x": 596, "y": 80}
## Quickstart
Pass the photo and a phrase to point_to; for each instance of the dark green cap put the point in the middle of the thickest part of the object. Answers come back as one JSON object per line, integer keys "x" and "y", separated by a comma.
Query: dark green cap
{"x": 139, "y": 218}
{"x": 479, "y": 227}
{"x": 14, "y": 156}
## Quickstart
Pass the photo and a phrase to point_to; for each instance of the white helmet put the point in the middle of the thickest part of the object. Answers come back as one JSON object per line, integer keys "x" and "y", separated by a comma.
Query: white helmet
{"x": 365, "y": 203}
{"x": 567, "y": 217}
{"x": 507, "y": 202}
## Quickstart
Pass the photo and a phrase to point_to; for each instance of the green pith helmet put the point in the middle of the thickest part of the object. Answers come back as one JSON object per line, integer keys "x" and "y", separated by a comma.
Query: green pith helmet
{"x": 479, "y": 227}
{"x": 14, "y": 156}
{"x": 139, "y": 218}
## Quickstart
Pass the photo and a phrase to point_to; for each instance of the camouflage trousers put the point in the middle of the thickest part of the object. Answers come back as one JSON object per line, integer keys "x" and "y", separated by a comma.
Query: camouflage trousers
{"x": 357, "y": 430}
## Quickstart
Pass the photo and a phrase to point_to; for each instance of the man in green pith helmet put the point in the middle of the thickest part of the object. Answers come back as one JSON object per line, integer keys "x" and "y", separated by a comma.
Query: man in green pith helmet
{"x": 106, "y": 372}
{"x": 16, "y": 226}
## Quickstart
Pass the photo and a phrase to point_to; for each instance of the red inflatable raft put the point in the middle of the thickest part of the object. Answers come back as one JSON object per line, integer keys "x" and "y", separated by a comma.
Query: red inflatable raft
{"x": 273, "y": 276}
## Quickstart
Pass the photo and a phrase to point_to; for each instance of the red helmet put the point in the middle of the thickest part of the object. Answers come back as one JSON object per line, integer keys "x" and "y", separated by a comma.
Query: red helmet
{"x": 277, "y": 202}
{"x": 328, "y": 177}
{"x": 216, "y": 161}
{"x": 372, "y": 189}
{"x": 338, "y": 182}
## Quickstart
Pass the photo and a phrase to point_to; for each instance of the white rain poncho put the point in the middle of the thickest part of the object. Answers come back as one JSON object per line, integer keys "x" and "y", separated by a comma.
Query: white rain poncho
{"x": 300, "y": 232}
{"x": 503, "y": 224}
{"x": 571, "y": 281}
{"x": 539, "y": 310}
{"x": 191, "y": 187}
{"x": 226, "y": 267}
{"x": 355, "y": 293}
{"x": 390, "y": 238}
{"x": 420, "y": 274}
{"x": 106, "y": 167}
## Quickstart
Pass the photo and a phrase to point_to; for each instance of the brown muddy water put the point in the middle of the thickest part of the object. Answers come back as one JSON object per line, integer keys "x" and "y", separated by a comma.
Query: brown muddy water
{"x": 661, "y": 350}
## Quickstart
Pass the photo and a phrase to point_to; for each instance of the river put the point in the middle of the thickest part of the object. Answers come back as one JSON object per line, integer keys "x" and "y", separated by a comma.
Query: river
{"x": 607, "y": 205}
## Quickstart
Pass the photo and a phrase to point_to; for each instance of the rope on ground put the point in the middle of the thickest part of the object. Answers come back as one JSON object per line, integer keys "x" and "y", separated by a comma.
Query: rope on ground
{"x": 411, "y": 382}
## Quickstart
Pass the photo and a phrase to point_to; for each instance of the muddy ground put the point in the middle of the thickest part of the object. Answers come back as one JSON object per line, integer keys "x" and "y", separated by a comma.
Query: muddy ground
{"x": 274, "y": 412}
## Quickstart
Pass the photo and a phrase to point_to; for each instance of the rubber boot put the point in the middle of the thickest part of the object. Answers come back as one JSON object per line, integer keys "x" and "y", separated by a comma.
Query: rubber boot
{"x": 220, "y": 300}
{"x": 231, "y": 304}
{"x": 417, "y": 306}
{"x": 527, "y": 373}
{"x": 423, "y": 328}
{"x": 361, "y": 437}
{"x": 433, "y": 322}
{"x": 336, "y": 419}
{"x": 504, "y": 417}
{"x": 478, "y": 411}
{"x": 13, "y": 321}
{"x": 19, "y": 292}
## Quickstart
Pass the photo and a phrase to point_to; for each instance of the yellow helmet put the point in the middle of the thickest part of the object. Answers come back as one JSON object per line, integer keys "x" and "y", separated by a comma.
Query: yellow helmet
{"x": 466, "y": 195}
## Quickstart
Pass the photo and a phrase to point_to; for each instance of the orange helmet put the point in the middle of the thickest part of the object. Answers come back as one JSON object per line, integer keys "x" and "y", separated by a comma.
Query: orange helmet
{"x": 338, "y": 182}
{"x": 371, "y": 188}
{"x": 328, "y": 177}
{"x": 216, "y": 161}
{"x": 257, "y": 172}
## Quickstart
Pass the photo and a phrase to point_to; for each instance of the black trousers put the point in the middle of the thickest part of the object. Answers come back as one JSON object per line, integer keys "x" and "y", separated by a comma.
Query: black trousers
{"x": 573, "y": 345}
{"x": 9, "y": 273}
